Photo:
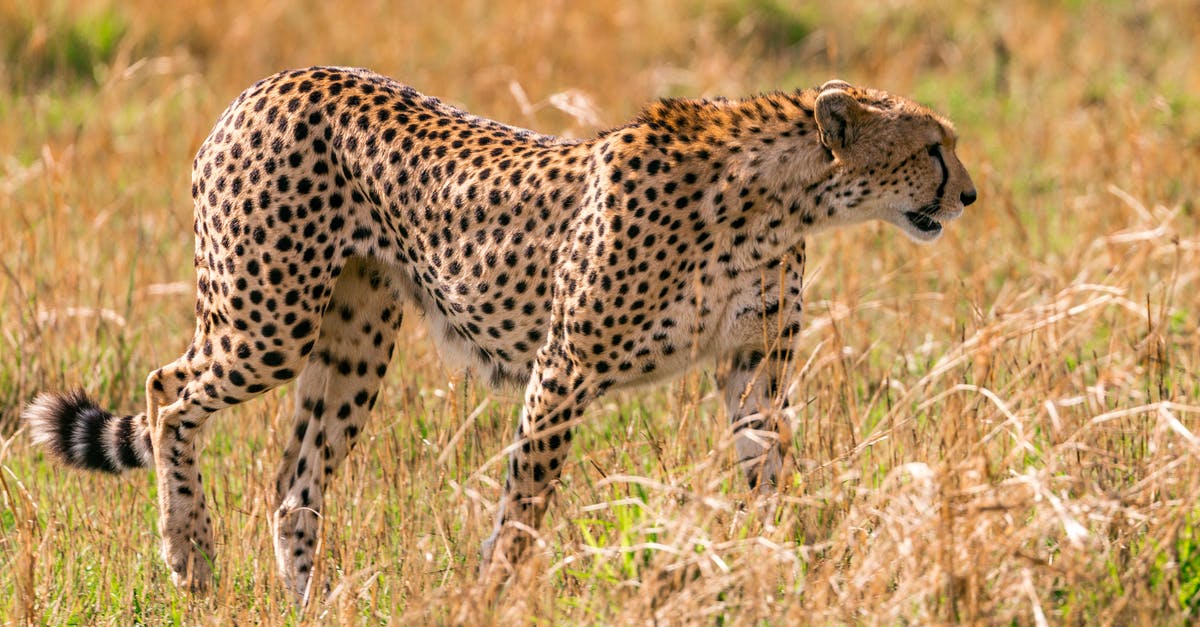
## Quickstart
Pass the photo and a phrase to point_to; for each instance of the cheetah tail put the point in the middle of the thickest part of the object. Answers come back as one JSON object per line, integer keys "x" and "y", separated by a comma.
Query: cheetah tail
{"x": 79, "y": 433}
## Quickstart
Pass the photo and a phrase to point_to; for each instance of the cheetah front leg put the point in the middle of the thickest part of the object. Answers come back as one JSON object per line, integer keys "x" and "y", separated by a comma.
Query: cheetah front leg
{"x": 555, "y": 398}
{"x": 754, "y": 378}
{"x": 753, "y": 384}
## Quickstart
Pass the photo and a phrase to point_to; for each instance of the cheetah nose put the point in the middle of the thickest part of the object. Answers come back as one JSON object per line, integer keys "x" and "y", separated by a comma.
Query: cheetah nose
{"x": 967, "y": 197}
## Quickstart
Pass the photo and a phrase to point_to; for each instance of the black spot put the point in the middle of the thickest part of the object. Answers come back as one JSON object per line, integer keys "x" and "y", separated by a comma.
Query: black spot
{"x": 302, "y": 329}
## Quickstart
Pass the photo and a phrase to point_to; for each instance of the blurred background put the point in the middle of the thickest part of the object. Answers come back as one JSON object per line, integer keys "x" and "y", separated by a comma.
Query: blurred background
{"x": 998, "y": 427}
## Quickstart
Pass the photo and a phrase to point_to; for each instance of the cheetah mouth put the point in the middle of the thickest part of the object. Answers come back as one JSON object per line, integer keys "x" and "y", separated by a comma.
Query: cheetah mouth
{"x": 923, "y": 222}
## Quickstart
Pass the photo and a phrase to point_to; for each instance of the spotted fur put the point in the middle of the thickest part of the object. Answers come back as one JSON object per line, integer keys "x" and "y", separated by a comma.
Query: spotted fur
{"x": 327, "y": 198}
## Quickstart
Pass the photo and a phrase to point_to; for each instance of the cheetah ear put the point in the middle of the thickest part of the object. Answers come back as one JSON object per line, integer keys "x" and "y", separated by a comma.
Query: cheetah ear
{"x": 838, "y": 116}
{"x": 835, "y": 83}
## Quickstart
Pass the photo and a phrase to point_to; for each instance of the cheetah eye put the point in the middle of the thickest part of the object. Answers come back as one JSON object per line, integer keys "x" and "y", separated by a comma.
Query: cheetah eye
{"x": 933, "y": 149}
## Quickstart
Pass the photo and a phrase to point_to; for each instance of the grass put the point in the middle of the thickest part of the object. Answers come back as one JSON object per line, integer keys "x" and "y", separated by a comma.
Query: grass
{"x": 999, "y": 428}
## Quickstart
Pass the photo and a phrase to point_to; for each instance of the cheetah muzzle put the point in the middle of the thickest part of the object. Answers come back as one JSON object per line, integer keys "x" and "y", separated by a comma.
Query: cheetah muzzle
{"x": 329, "y": 199}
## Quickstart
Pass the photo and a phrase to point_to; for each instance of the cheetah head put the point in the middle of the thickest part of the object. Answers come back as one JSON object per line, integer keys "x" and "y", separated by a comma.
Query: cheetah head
{"x": 899, "y": 154}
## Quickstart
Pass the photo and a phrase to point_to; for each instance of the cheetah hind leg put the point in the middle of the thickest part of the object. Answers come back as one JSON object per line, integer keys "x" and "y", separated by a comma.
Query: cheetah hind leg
{"x": 334, "y": 395}
{"x": 180, "y": 397}
{"x": 221, "y": 368}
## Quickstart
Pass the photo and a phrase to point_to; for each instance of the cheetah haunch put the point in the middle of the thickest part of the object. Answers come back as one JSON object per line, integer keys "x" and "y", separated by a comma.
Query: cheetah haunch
{"x": 327, "y": 198}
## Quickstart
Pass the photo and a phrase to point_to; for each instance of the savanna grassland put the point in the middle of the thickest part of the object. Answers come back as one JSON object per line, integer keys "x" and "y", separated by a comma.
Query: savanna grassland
{"x": 1003, "y": 427}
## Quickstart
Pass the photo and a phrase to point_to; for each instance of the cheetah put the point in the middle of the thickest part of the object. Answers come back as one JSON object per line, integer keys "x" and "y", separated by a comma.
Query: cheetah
{"x": 328, "y": 198}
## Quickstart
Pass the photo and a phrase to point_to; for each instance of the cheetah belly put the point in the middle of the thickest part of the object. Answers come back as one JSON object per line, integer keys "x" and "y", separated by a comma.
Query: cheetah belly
{"x": 495, "y": 360}
{"x": 682, "y": 338}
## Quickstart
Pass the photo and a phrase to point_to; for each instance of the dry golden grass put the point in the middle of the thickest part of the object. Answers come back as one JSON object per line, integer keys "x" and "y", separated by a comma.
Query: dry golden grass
{"x": 1003, "y": 427}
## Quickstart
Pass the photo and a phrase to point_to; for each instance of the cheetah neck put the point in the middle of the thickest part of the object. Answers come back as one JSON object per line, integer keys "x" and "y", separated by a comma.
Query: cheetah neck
{"x": 774, "y": 184}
